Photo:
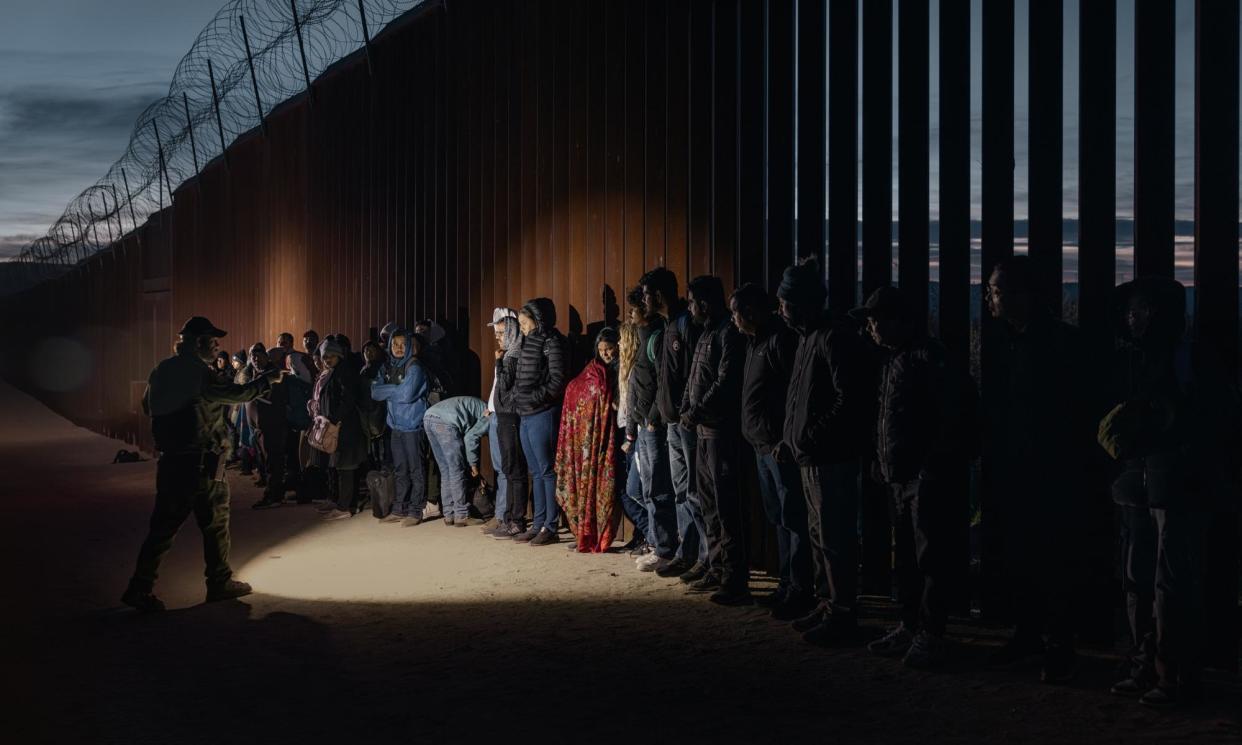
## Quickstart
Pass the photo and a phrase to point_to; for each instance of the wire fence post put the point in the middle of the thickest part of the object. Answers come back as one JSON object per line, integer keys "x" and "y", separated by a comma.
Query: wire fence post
{"x": 366, "y": 34}
{"x": 297, "y": 26}
{"x": 254, "y": 81}
{"x": 189, "y": 125}
{"x": 215, "y": 104}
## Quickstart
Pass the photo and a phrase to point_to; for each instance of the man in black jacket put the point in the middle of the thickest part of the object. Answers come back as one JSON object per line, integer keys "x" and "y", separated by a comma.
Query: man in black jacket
{"x": 1038, "y": 438}
{"x": 709, "y": 406}
{"x": 187, "y": 406}
{"x": 919, "y": 440}
{"x": 646, "y": 433}
{"x": 676, "y": 349}
{"x": 825, "y": 432}
{"x": 770, "y": 355}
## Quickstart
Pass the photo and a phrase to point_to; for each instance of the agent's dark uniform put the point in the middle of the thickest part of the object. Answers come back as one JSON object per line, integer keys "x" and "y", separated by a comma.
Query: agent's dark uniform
{"x": 188, "y": 405}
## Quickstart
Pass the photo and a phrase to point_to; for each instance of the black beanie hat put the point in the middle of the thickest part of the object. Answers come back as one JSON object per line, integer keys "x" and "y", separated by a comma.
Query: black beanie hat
{"x": 802, "y": 284}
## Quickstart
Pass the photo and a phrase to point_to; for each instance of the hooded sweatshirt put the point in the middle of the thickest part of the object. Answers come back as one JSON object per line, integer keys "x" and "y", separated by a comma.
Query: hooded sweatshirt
{"x": 403, "y": 386}
{"x": 503, "y": 396}
{"x": 540, "y": 379}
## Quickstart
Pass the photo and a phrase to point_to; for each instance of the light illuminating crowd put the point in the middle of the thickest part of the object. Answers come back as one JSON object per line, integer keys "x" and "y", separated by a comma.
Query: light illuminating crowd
{"x": 659, "y": 422}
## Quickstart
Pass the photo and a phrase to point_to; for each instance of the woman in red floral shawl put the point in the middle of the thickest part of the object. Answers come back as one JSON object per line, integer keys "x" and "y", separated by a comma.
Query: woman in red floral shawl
{"x": 586, "y": 450}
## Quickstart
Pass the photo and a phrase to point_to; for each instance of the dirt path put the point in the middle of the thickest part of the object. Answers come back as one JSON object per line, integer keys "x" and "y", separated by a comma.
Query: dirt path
{"x": 361, "y": 632}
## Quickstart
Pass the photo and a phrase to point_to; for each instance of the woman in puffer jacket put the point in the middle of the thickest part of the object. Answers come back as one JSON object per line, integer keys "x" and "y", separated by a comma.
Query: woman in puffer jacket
{"x": 538, "y": 389}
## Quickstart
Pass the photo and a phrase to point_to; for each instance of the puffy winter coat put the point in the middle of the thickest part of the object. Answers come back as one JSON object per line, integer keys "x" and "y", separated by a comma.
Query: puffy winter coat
{"x": 714, "y": 384}
{"x": 765, "y": 383}
{"x": 540, "y": 376}
{"x": 830, "y": 395}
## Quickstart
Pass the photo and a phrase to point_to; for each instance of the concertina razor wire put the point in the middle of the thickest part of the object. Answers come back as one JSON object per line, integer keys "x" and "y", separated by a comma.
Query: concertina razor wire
{"x": 253, "y": 55}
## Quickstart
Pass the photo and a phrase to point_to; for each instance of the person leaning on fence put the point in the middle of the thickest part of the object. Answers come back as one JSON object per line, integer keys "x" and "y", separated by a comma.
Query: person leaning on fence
{"x": 188, "y": 406}
{"x": 454, "y": 429}
{"x": 923, "y": 434}
{"x": 403, "y": 387}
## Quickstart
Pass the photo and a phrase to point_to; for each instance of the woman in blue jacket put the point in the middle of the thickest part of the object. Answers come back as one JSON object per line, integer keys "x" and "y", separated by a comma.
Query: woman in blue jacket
{"x": 403, "y": 385}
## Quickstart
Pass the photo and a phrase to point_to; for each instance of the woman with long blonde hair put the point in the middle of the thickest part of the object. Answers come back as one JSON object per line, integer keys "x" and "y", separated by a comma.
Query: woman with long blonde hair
{"x": 629, "y": 487}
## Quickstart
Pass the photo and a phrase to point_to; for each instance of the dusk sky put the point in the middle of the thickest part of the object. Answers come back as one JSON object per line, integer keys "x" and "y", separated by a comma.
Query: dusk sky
{"x": 76, "y": 74}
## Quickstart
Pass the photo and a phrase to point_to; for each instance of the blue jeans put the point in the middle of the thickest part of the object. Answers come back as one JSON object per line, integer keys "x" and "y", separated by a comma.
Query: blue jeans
{"x": 450, "y": 454}
{"x": 832, "y": 523}
{"x": 630, "y": 493}
{"x": 539, "y": 432}
{"x": 780, "y": 485}
{"x": 690, "y": 526}
{"x": 502, "y": 482}
{"x": 657, "y": 487}
{"x": 410, "y": 472}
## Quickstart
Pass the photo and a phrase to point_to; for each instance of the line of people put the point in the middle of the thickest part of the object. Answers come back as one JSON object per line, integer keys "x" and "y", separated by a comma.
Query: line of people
{"x": 658, "y": 424}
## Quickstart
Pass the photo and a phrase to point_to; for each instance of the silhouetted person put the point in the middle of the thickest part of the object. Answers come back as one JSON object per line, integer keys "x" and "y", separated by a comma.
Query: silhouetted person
{"x": 188, "y": 405}
{"x": 710, "y": 408}
{"x": 1039, "y": 439}
{"x": 675, "y": 351}
{"x": 538, "y": 389}
{"x": 1175, "y": 429}
{"x": 921, "y": 439}
{"x": 770, "y": 352}
{"x": 268, "y": 414}
{"x": 825, "y": 434}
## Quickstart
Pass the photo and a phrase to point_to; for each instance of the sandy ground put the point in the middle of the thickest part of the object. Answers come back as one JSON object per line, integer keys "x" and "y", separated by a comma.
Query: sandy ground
{"x": 363, "y": 632}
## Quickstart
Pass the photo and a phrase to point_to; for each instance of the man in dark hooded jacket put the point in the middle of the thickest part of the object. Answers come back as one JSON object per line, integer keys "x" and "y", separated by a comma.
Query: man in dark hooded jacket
{"x": 188, "y": 406}
{"x": 1175, "y": 428}
{"x": 825, "y": 433}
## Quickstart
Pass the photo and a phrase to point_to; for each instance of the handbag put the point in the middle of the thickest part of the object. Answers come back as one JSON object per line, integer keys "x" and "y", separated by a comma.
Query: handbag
{"x": 324, "y": 435}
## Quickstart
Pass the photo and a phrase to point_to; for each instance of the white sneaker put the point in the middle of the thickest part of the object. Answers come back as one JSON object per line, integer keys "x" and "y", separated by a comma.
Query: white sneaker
{"x": 646, "y": 562}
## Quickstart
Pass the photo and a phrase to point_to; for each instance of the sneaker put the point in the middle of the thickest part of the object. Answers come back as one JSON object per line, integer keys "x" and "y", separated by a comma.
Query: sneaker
{"x": 694, "y": 573}
{"x": 837, "y": 630}
{"x": 1060, "y": 666}
{"x": 815, "y": 617}
{"x": 227, "y": 590}
{"x": 1015, "y": 651}
{"x": 449, "y": 520}
{"x": 1159, "y": 697}
{"x": 496, "y": 530}
{"x": 411, "y": 521}
{"x": 709, "y": 582}
{"x": 793, "y": 606}
{"x": 545, "y": 537}
{"x": 672, "y": 568}
{"x": 771, "y": 600}
{"x": 461, "y": 522}
{"x": 925, "y": 653}
{"x": 512, "y": 531}
{"x": 142, "y": 601}
{"x": 642, "y": 549}
{"x": 392, "y": 517}
{"x": 464, "y": 521}
{"x": 266, "y": 503}
{"x": 732, "y": 596}
{"x": 325, "y": 506}
{"x": 893, "y": 644}
{"x": 526, "y": 536}
{"x": 633, "y": 543}
{"x": 335, "y": 514}
{"x": 1131, "y": 687}
{"x": 648, "y": 563}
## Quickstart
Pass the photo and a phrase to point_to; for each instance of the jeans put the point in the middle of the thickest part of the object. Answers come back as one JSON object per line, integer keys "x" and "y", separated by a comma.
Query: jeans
{"x": 690, "y": 525}
{"x": 657, "y": 486}
{"x": 410, "y": 472}
{"x": 539, "y": 432}
{"x": 450, "y": 454}
{"x": 630, "y": 493}
{"x": 1179, "y": 594}
{"x": 723, "y": 516}
{"x": 1138, "y": 554}
{"x": 832, "y": 523}
{"x": 185, "y": 485}
{"x": 502, "y": 481}
{"x": 780, "y": 486}
{"x": 513, "y": 463}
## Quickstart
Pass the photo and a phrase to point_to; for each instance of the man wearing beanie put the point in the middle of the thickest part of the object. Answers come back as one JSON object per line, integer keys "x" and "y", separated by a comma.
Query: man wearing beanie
{"x": 825, "y": 421}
